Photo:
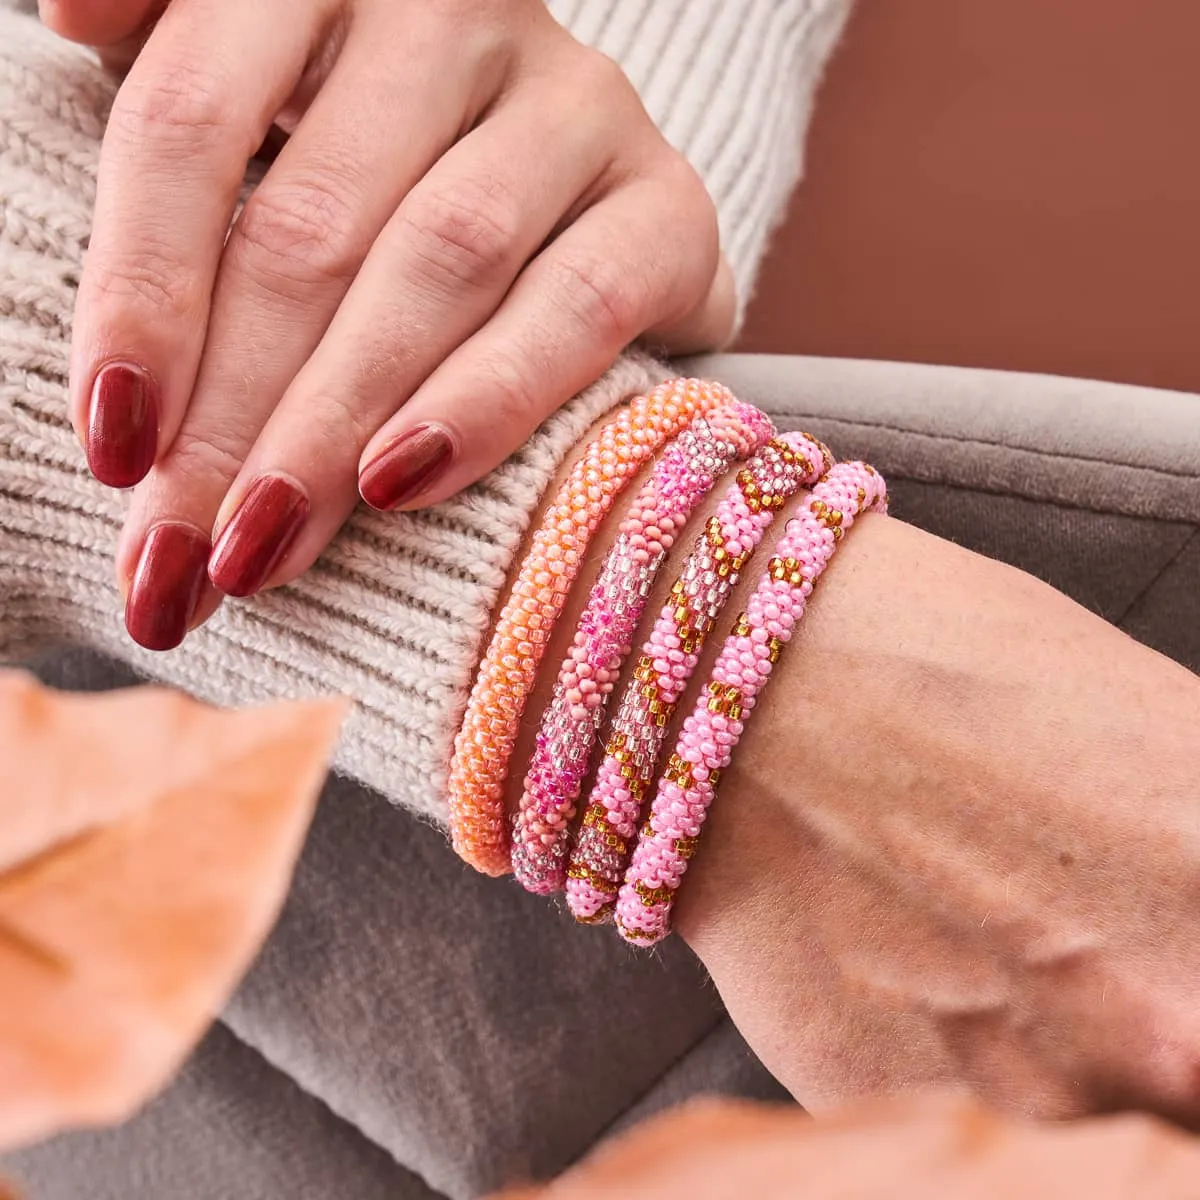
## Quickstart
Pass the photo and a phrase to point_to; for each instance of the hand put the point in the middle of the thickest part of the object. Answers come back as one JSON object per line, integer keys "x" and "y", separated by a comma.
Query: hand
{"x": 471, "y": 217}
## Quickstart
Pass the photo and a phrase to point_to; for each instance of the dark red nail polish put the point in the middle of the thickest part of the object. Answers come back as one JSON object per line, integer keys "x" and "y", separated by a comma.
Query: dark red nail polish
{"x": 406, "y": 467}
{"x": 168, "y": 582}
{"x": 122, "y": 427}
{"x": 258, "y": 535}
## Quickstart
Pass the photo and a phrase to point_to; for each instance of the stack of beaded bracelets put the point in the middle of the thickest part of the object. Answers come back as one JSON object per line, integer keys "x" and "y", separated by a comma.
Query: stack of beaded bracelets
{"x": 613, "y": 869}
{"x": 667, "y": 661}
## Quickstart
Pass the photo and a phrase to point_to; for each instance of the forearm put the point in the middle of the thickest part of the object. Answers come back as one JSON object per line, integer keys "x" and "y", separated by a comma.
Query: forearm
{"x": 930, "y": 697}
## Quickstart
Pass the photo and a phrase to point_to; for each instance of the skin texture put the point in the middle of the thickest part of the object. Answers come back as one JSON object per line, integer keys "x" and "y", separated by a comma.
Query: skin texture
{"x": 957, "y": 845}
{"x": 461, "y": 275}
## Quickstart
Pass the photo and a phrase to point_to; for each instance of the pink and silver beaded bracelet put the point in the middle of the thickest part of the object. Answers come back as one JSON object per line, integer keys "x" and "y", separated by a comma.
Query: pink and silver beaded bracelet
{"x": 667, "y": 661}
{"x": 687, "y": 471}
{"x": 711, "y": 731}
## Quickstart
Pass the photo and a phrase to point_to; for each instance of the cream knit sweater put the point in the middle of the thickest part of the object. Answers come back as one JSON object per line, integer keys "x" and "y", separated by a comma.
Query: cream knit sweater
{"x": 393, "y": 613}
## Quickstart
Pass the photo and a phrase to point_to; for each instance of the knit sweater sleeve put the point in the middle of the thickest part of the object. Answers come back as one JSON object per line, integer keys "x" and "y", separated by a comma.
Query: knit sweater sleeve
{"x": 394, "y": 611}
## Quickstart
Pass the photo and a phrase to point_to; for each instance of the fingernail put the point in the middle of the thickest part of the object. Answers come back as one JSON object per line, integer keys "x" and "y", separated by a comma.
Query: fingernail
{"x": 406, "y": 467}
{"x": 168, "y": 582}
{"x": 122, "y": 427}
{"x": 258, "y": 535}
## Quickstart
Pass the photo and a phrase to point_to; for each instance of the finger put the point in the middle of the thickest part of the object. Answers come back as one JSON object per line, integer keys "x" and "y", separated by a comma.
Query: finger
{"x": 626, "y": 266}
{"x": 289, "y": 260}
{"x": 194, "y": 108}
{"x": 438, "y": 270}
{"x": 98, "y": 22}
{"x": 291, "y": 256}
{"x": 709, "y": 326}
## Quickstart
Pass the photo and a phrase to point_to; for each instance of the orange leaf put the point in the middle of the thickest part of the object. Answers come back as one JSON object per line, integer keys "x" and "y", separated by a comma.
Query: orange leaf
{"x": 934, "y": 1148}
{"x": 146, "y": 845}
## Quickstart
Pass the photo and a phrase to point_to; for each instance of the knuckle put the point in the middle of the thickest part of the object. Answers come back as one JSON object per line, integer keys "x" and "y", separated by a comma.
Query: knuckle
{"x": 211, "y": 456}
{"x": 686, "y": 202}
{"x": 345, "y": 421}
{"x": 602, "y": 82}
{"x": 512, "y": 396}
{"x": 686, "y": 183}
{"x": 182, "y": 102}
{"x": 464, "y": 234}
{"x": 148, "y": 281}
{"x": 596, "y": 74}
{"x": 603, "y": 298}
{"x": 383, "y": 367}
{"x": 687, "y": 260}
{"x": 303, "y": 231}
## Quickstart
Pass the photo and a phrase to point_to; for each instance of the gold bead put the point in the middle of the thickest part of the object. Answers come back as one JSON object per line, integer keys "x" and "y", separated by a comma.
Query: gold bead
{"x": 650, "y": 896}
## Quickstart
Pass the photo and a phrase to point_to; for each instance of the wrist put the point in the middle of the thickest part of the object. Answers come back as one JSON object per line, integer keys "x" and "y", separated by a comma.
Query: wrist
{"x": 942, "y": 808}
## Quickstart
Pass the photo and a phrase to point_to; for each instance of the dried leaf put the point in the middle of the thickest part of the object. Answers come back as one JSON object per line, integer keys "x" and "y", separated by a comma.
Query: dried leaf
{"x": 937, "y": 1149}
{"x": 146, "y": 844}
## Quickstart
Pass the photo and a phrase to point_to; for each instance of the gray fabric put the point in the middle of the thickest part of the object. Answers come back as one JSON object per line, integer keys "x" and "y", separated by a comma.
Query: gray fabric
{"x": 721, "y": 1064}
{"x": 1099, "y": 446}
{"x": 467, "y": 1027}
{"x": 469, "y": 1030}
{"x": 230, "y": 1128}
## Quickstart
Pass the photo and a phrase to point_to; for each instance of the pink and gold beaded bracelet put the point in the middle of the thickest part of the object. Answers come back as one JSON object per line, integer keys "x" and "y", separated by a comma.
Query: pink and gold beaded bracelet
{"x": 484, "y": 745}
{"x": 712, "y": 730}
{"x": 687, "y": 471}
{"x": 668, "y": 659}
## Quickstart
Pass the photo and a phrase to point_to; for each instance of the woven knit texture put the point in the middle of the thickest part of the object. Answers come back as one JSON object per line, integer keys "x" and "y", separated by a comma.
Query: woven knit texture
{"x": 393, "y": 613}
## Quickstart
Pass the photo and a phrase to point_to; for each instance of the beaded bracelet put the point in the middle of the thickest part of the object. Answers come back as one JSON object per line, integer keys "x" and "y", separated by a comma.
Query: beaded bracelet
{"x": 686, "y": 473}
{"x": 667, "y": 661}
{"x": 712, "y": 730}
{"x": 485, "y": 741}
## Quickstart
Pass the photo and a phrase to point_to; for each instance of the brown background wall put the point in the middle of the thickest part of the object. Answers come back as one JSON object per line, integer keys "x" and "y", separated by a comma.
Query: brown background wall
{"x": 1008, "y": 183}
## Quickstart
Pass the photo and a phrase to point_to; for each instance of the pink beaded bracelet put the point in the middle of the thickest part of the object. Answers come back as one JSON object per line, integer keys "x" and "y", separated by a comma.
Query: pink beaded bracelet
{"x": 668, "y": 659}
{"x": 686, "y": 473}
{"x": 712, "y": 730}
{"x": 484, "y": 744}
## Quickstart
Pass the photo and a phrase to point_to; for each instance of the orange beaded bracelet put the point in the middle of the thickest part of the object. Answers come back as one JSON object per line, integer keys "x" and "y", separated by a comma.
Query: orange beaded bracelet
{"x": 479, "y": 827}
